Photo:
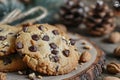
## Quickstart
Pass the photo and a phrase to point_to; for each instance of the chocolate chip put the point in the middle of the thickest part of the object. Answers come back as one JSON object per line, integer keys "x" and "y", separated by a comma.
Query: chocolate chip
{"x": 72, "y": 41}
{"x": 10, "y": 33}
{"x": 25, "y": 28}
{"x": 7, "y": 60}
{"x": 41, "y": 28}
{"x": 53, "y": 45}
{"x": 66, "y": 53}
{"x": 55, "y": 58}
{"x": 35, "y": 37}
{"x": 33, "y": 48}
{"x": 19, "y": 45}
{"x": 55, "y": 32}
{"x": 45, "y": 38}
{"x": 2, "y": 38}
{"x": 55, "y": 52}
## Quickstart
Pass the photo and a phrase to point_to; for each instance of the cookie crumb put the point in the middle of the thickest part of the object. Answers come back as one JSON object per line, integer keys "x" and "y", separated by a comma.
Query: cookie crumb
{"x": 2, "y": 76}
{"x": 20, "y": 72}
{"x": 39, "y": 76}
{"x": 32, "y": 76}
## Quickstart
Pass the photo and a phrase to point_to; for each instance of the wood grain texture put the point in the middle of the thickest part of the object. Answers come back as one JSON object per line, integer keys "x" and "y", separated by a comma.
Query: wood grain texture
{"x": 94, "y": 70}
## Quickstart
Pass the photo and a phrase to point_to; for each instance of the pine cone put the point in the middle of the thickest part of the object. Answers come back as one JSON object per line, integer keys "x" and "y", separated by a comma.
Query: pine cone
{"x": 73, "y": 13}
{"x": 117, "y": 7}
{"x": 100, "y": 20}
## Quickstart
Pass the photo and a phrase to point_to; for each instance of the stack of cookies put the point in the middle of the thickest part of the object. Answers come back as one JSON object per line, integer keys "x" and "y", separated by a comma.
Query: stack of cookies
{"x": 41, "y": 47}
{"x": 9, "y": 59}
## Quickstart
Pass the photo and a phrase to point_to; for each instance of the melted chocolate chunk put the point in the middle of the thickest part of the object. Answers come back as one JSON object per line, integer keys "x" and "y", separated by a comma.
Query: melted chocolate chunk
{"x": 35, "y": 37}
{"x": 25, "y": 28}
{"x": 53, "y": 45}
{"x": 55, "y": 52}
{"x": 7, "y": 61}
{"x": 41, "y": 28}
{"x": 66, "y": 53}
{"x": 55, "y": 32}
{"x": 2, "y": 38}
{"x": 55, "y": 58}
{"x": 72, "y": 41}
{"x": 19, "y": 45}
{"x": 33, "y": 48}
{"x": 45, "y": 38}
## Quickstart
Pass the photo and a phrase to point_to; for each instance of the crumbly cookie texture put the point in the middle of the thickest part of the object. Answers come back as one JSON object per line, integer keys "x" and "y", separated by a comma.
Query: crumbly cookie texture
{"x": 47, "y": 50}
{"x": 7, "y": 39}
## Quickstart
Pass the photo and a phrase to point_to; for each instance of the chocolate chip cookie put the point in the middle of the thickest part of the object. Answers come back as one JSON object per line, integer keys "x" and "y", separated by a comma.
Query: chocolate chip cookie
{"x": 12, "y": 62}
{"x": 7, "y": 39}
{"x": 47, "y": 50}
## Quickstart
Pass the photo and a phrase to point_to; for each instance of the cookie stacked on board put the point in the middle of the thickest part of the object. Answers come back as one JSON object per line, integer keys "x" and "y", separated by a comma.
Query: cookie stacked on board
{"x": 9, "y": 59}
{"x": 46, "y": 49}
{"x": 41, "y": 47}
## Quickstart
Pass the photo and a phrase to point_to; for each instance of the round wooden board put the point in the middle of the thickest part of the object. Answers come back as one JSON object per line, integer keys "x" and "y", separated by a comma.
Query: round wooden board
{"x": 86, "y": 71}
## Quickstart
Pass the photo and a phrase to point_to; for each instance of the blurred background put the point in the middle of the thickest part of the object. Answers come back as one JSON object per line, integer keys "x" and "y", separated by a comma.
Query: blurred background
{"x": 53, "y": 7}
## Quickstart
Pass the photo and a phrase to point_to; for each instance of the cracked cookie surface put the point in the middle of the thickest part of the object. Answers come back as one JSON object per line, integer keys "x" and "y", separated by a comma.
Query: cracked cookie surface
{"x": 47, "y": 50}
